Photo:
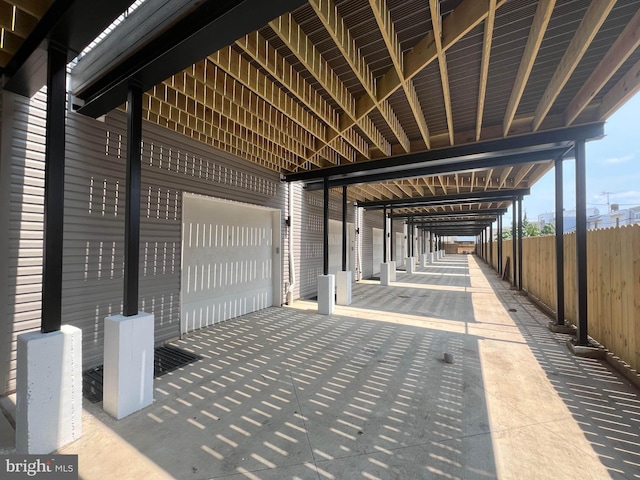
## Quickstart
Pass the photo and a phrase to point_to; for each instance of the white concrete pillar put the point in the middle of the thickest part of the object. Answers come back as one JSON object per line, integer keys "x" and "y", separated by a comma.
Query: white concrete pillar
{"x": 128, "y": 363}
{"x": 326, "y": 294}
{"x": 385, "y": 273}
{"x": 343, "y": 287}
{"x": 393, "y": 270}
{"x": 432, "y": 257}
{"x": 443, "y": 253}
{"x": 48, "y": 390}
{"x": 411, "y": 264}
{"x": 423, "y": 259}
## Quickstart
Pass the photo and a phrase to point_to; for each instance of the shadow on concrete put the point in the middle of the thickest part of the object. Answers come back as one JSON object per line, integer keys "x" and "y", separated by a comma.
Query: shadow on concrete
{"x": 288, "y": 394}
{"x": 604, "y": 405}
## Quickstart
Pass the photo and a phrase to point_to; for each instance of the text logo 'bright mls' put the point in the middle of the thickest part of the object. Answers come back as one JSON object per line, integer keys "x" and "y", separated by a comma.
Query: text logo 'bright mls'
{"x": 53, "y": 467}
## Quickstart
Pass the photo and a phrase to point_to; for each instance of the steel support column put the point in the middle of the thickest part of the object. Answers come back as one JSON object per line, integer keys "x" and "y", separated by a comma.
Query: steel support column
{"x": 392, "y": 240}
{"x": 54, "y": 191}
{"x": 491, "y": 245}
{"x": 384, "y": 235}
{"x": 499, "y": 244}
{"x": 344, "y": 229}
{"x": 132, "y": 202}
{"x": 514, "y": 243}
{"x": 581, "y": 243}
{"x": 520, "y": 243}
{"x": 559, "y": 243}
{"x": 325, "y": 232}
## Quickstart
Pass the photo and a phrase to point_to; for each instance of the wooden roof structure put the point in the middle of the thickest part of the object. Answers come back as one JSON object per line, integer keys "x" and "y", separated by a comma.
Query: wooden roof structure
{"x": 341, "y": 82}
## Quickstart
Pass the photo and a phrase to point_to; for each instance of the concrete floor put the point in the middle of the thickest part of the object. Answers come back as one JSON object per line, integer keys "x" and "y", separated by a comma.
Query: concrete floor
{"x": 364, "y": 393}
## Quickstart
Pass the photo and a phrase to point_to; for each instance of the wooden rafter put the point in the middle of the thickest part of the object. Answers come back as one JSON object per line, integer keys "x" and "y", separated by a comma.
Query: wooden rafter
{"x": 484, "y": 64}
{"x": 472, "y": 182}
{"x": 522, "y": 173}
{"x": 536, "y": 34}
{"x": 327, "y": 12}
{"x": 434, "y": 6}
{"x": 503, "y": 177}
{"x": 586, "y": 32}
{"x": 625, "y": 45}
{"x": 297, "y": 41}
{"x": 487, "y": 181}
{"x": 441, "y": 180}
{"x": 622, "y": 91}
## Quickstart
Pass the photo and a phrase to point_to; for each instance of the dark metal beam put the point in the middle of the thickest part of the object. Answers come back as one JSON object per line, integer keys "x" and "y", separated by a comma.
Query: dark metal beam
{"x": 499, "y": 235}
{"x": 71, "y": 24}
{"x": 460, "y": 213}
{"x": 471, "y": 197}
{"x": 491, "y": 244}
{"x": 514, "y": 244}
{"x": 213, "y": 25}
{"x": 581, "y": 244}
{"x": 325, "y": 230}
{"x": 559, "y": 243}
{"x": 392, "y": 240}
{"x": 344, "y": 229}
{"x": 54, "y": 158}
{"x": 509, "y": 146}
{"x": 520, "y": 243}
{"x": 132, "y": 203}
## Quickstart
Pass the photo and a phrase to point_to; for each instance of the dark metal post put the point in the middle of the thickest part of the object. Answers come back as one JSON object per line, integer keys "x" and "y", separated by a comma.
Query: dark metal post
{"x": 491, "y": 244}
{"x": 520, "y": 243}
{"x": 514, "y": 243}
{"x": 430, "y": 242}
{"x": 344, "y": 228}
{"x": 410, "y": 238}
{"x": 54, "y": 191}
{"x": 392, "y": 240}
{"x": 325, "y": 233}
{"x": 132, "y": 205}
{"x": 559, "y": 244}
{"x": 581, "y": 242}
{"x": 384, "y": 235}
{"x": 500, "y": 244}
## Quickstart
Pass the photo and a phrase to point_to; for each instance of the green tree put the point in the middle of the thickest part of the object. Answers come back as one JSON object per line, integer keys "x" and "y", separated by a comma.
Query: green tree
{"x": 548, "y": 229}
{"x": 529, "y": 229}
{"x": 507, "y": 234}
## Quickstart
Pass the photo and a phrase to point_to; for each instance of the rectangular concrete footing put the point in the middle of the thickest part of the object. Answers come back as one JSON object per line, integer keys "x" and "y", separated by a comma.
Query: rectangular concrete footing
{"x": 432, "y": 257}
{"x": 585, "y": 351}
{"x": 128, "y": 364}
{"x": 568, "y": 329}
{"x": 411, "y": 264}
{"x": 48, "y": 390}
{"x": 393, "y": 270}
{"x": 343, "y": 287}
{"x": 385, "y": 274}
{"x": 326, "y": 294}
{"x": 423, "y": 259}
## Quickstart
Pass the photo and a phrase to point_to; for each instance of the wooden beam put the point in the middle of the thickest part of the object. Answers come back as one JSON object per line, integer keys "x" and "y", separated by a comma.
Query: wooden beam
{"x": 405, "y": 189}
{"x": 268, "y": 58}
{"x": 327, "y": 12}
{"x": 472, "y": 183}
{"x": 503, "y": 177}
{"x": 484, "y": 64}
{"x": 488, "y": 179}
{"x": 536, "y": 34}
{"x": 524, "y": 170}
{"x": 622, "y": 91}
{"x": 444, "y": 187}
{"x": 593, "y": 19}
{"x": 297, "y": 41}
{"x": 622, "y": 48}
{"x": 434, "y": 5}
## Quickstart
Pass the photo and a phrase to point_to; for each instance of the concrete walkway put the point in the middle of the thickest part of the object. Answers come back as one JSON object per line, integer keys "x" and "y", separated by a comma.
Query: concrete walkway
{"x": 287, "y": 393}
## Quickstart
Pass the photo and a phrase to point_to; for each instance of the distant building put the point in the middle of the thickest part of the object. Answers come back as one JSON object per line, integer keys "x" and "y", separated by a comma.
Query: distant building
{"x": 614, "y": 218}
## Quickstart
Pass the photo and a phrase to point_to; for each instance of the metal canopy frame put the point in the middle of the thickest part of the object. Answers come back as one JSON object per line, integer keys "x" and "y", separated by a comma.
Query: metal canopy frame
{"x": 213, "y": 25}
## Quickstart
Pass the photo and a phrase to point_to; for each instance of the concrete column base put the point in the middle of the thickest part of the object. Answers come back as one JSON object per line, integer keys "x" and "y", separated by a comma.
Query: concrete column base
{"x": 423, "y": 259}
{"x": 568, "y": 329}
{"x": 343, "y": 287}
{"x": 326, "y": 294}
{"x": 385, "y": 274}
{"x": 432, "y": 257}
{"x": 439, "y": 255}
{"x": 411, "y": 264}
{"x": 48, "y": 390}
{"x": 393, "y": 270}
{"x": 128, "y": 364}
{"x": 586, "y": 351}
{"x": 443, "y": 253}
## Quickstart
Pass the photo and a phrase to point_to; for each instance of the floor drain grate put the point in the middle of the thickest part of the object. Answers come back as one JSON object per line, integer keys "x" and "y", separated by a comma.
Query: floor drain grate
{"x": 167, "y": 358}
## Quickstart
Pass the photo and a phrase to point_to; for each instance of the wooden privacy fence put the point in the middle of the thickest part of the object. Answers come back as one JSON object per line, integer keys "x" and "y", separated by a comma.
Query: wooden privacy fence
{"x": 613, "y": 283}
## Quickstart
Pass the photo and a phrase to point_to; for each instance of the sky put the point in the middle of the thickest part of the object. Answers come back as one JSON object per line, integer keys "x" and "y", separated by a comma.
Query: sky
{"x": 612, "y": 166}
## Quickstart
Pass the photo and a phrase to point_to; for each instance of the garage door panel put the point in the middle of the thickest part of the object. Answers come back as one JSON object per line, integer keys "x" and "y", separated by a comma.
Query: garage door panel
{"x": 228, "y": 261}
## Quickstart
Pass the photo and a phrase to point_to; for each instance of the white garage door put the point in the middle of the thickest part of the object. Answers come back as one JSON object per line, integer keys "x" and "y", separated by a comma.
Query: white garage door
{"x": 378, "y": 238}
{"x": 335, "y": 247}
{"x": 230, "y": 260}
